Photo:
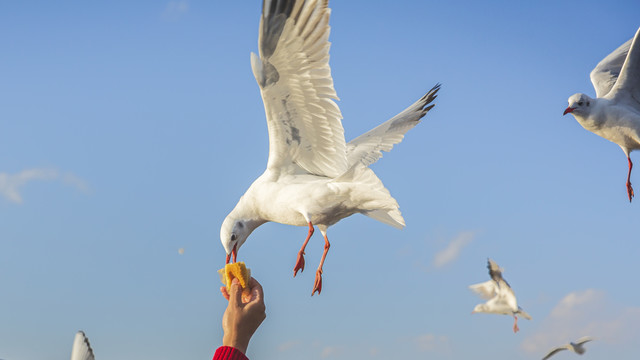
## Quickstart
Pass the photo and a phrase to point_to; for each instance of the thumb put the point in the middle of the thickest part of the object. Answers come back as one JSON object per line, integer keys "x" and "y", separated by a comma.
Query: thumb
{"x": 235, "y": 293}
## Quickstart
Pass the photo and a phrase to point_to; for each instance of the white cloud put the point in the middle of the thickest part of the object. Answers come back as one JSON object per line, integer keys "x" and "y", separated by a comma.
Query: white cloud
{"x": 175, "y": 9}
{"x": 585, "y": 313}
{"x": 10, "y": 184}
{"x": 329, "y": 351}
{"x": 452, "y": 251}
{"x": 287, "y": 345}
{"x": 432, "y": 343}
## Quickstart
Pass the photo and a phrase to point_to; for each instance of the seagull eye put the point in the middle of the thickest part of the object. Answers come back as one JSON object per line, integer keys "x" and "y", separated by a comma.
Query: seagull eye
{"x": 233, "y": 237}
{"x": 580, "y": 103}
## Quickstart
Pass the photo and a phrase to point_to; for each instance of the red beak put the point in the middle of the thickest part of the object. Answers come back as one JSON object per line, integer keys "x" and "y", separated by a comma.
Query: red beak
{"x": 568, "y": 110}
{"x": 234, "y": 252}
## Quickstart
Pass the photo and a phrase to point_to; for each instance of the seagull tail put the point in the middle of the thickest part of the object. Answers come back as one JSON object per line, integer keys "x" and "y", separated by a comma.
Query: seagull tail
{"x": 376, "y": 201}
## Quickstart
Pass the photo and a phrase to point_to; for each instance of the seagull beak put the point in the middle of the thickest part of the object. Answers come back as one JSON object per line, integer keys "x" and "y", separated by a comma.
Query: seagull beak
{"x": 234, "y": 253}
{"x": 568, "y": 110}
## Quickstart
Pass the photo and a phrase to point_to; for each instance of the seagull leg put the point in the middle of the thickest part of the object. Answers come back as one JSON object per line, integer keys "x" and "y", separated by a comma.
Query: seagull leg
{"x": 515, "y": 324}
{"x": 300, "y": 262}
{"x": 629, "y": 188}
{"x": 317, "y": 286}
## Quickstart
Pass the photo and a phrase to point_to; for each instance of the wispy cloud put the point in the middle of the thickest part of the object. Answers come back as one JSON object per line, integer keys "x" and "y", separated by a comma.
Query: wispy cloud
{"x": 452, "y": 251}
{"x": 175, "y": 9}
{"x": 585, "y": 313}
{"x": 11, "y": 184}
{"x": 432, "y": 343}
{"x": 329, "y": 351}
{"x": 286, "y": 346}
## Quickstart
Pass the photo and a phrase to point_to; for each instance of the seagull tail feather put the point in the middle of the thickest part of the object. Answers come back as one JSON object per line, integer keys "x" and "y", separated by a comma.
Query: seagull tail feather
{"x": 377, "y": 202}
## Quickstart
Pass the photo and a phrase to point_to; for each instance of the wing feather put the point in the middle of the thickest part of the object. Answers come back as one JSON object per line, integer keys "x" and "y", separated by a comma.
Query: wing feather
{"x": 604, "y": 75}
{"x": 553, "y": 352}
{"x": 294, "y": 76}
{"x": 81, "y": 349}
{"x": 368, "y": 147}
{"x": 486, "y": 290}
{"x": 627, "y": 87}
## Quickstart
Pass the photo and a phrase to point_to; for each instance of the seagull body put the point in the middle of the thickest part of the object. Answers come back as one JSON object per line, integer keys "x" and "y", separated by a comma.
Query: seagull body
{"x": 81, "y": 349}
{"x": 313, "y": 177}
{"x": 615, "y": 113}
{"x": 577, "y": 347}
{"x": 500, "y": 296}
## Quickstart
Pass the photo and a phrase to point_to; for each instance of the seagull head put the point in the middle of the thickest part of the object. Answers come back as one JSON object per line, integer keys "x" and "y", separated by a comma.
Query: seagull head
{"x": 479, "y": 308}
{"x": 579, "y": 104}
{"x": 234, "y": 232}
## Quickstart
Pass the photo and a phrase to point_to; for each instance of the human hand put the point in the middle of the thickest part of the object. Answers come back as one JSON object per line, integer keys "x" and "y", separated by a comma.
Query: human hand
{"x": 243, "y": 315}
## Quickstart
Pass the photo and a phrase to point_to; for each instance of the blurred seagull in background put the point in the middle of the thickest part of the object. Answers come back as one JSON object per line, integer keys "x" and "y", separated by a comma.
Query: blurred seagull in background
{"x": 615, "y": 113}
{"x": 502, "y": 299}
{"x": 313, "y": 176}
{"x": 81, "y": 348}
{"x": 576, "y": 347}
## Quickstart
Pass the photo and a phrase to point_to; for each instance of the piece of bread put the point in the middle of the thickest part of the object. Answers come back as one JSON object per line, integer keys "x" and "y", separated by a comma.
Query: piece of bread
{"x": 236, "y": 270}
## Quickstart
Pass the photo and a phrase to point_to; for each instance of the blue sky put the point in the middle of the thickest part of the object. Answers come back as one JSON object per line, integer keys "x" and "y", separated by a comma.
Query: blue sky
{"x": 129, "y": 131}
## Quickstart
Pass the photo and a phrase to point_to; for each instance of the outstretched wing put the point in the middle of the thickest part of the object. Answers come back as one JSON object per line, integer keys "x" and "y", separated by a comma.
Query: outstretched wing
{"x": 553, "y": 352}
{"x": 368, "y": 147}
{"x": 486, "y": 290}
{"x": 495, "y": 272}
{"x": 295, "y": 81}
{"x": 583, "y": 340}
{"x": 81, "y": 348}
{"x": 627, "y": 87}
{"x": 605, "y": 74}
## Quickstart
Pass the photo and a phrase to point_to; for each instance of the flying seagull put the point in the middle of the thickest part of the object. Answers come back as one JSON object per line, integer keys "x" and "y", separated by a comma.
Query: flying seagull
{"x": 576, "y": 347}
{"x": 313, "y": 177}
{"x": 81, "y": 348}
{"x": 615, "y": 113}
{"x": 500, "y": 296}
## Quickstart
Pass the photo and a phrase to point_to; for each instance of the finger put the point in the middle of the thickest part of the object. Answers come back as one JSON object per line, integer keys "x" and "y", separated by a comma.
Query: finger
{"x": 235, "y": 293}
{"x": 224, "y": 292}
{"x": 257, "y": 293}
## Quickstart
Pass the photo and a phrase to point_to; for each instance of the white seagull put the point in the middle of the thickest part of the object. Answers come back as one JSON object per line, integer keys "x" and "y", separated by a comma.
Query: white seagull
{"x": 502, "y": 299}
{"x": 577, "y": 347}
{"x": 313, "y": 176}
{"x": 615, "y": 113}
{"x": 81, "y": 348}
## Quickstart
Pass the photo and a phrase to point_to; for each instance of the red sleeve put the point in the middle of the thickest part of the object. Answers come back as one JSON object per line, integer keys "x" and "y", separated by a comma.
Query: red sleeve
{"x": 229, "y": 353}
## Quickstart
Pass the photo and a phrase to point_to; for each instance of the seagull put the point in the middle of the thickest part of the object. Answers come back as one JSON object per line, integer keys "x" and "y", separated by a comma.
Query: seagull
{"x": 81, "y": 348}
{"x": 313, "y": 176}
{"x": 502, "y": 299}
{"x": 576, "y": 347}
{"x": 615, "y": 113}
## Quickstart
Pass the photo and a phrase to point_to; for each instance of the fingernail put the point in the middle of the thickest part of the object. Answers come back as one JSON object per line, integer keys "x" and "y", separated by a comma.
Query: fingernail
{"x": 235, "y": 281}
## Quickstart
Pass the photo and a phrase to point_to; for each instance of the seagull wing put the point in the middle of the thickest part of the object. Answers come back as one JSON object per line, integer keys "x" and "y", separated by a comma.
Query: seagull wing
{"x": 627, "y": 87}
{"x": 367, "y": 148}
{"x": 583, "y": 340}
{"x": 552, "y": 352}
{"x": 505, "y": 292}
{"x": 81, "y": 348}
{"x": 486, "y": 290}
{"x": 495, "y": 272}
{"x": 605, "y": 74}
{"x": 295, "y": 81}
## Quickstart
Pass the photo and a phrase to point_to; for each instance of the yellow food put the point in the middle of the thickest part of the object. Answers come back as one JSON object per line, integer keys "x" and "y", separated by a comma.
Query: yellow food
{"x": 236, "y": 270}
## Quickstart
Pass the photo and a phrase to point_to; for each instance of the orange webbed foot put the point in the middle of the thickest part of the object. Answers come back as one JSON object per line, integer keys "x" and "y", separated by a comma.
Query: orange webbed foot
{"x": 299, "y": 263}
{"x": 317, "y": 286}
